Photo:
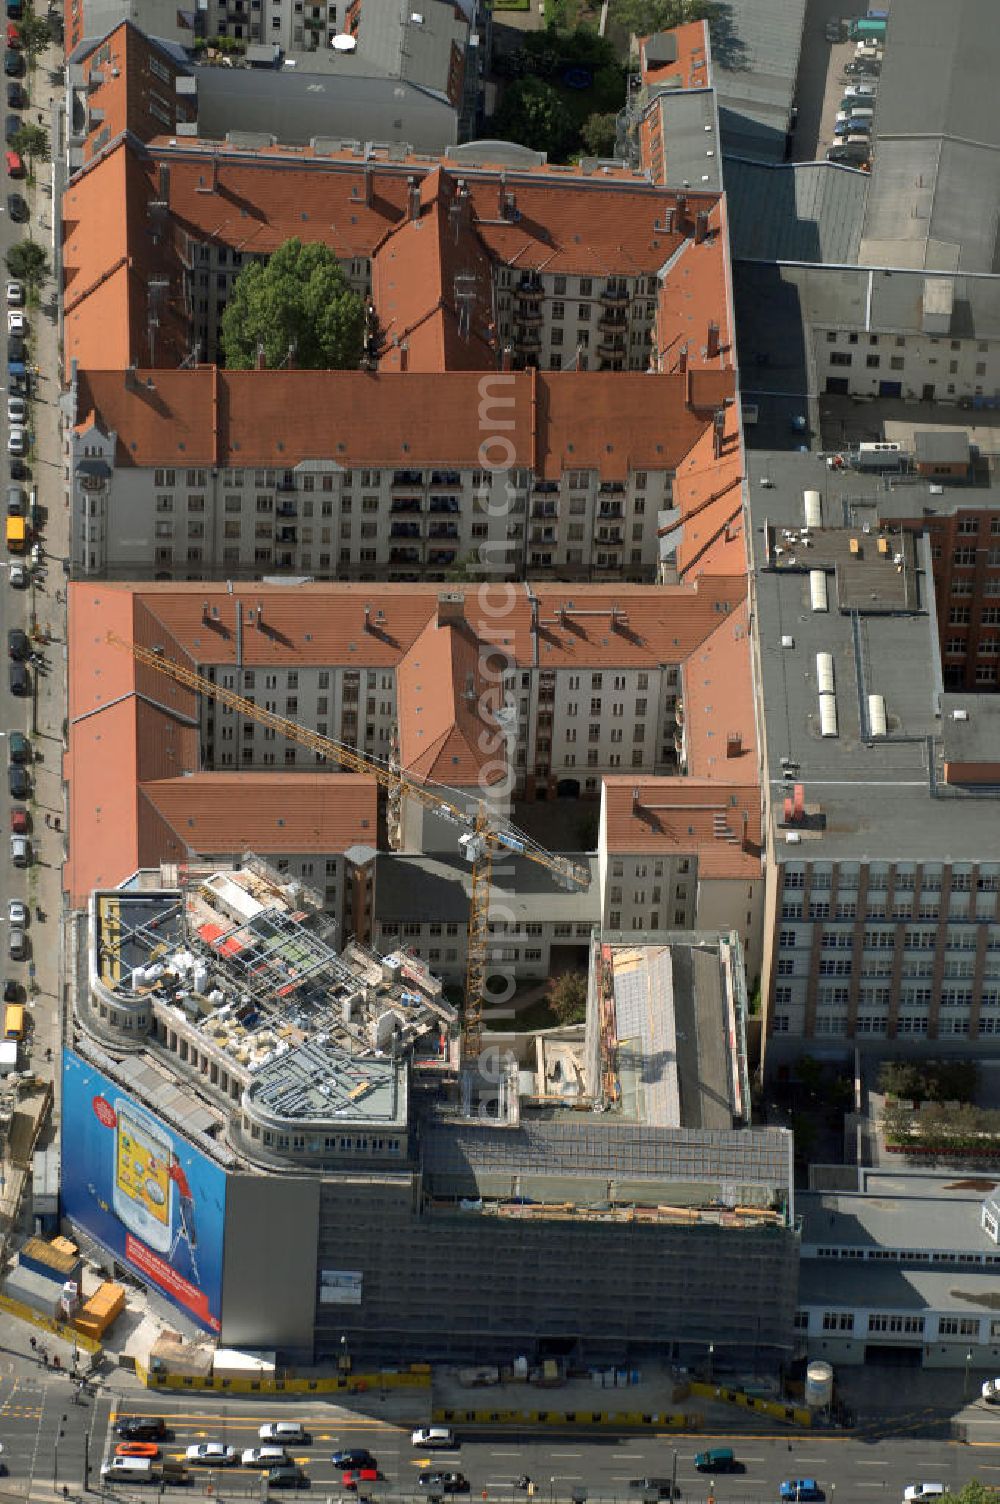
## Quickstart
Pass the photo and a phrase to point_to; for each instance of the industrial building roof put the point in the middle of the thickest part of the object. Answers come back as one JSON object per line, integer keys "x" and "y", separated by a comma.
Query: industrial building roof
{"x": 795, "y": 211}
{"x": 689, "y": 127}
{"x": 757, "y": 1160}
{"x": 876, "y": 798}
{"x": 936, "y": 179}
{"x": 910, "y": 1216}
{"x": 321, "y": 1080}
{"x": 306, "y": 104}
{"x": 755, "y": 61}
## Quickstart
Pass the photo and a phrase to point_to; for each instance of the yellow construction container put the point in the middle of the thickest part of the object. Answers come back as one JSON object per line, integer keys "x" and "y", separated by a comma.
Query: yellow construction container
{"x": 100, "y": 1310}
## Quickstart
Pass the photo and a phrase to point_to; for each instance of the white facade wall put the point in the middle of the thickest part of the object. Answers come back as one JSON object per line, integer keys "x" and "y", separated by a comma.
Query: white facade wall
{"x": 928, "y": 367}
{"x": 327, "y": 522}
{"x": 521, "y": 951}
{"x": 588, "y": 323}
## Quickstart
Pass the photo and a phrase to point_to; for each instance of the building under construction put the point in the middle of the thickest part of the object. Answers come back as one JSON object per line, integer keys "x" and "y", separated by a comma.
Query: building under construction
{"x": 241, "y": 1077}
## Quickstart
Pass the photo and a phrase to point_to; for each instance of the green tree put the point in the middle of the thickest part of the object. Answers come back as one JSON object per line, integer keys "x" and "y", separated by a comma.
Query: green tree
{"x": 535, "y": 114}
{"x": 28, "y": 262}
{"x": 32, "y": 142}
{"x": 974, "y": 1492}
{"x": 36, "y": 34}
{"x": 643, "y": 17}
{"x": 298, "y": 299}
{"x": 598, "y": 133}
{"x": 567, "y": 997}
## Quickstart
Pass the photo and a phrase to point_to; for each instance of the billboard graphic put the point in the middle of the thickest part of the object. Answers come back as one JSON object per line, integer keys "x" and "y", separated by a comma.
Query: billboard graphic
{"x": 142, "y": 1191}
{"x": 340, "y": 1287}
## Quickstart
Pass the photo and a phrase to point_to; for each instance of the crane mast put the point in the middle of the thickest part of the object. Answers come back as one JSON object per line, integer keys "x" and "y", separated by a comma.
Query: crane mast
{"x": 484, "y": 832}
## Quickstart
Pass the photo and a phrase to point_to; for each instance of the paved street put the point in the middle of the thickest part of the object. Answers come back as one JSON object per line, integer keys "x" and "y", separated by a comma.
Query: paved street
{"x": 871, "y": 1464}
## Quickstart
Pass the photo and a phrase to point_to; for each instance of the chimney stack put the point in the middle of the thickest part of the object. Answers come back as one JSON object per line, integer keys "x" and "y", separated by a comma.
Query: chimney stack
{"x": 413, "y": 197}
{"x": 734, "y": 744}
{"x": 682, "y": 358}
{"x": 260, "y": 355}
{"x": 713, "y": 340}
{"x": 799, "y": 802}
{"x": 700, "y": 226}
{"x": 450, "y": 608}
{"x": 369, "y": 186}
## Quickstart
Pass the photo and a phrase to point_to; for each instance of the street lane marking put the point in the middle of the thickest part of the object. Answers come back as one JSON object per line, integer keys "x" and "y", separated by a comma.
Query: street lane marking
{"x": 869, "y": 1462}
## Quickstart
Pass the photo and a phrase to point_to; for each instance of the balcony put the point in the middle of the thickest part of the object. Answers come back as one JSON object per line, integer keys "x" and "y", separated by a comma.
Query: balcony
{"x": 407, "y": 478}
{"x": 405, "y": 504}
{"x": 285, "y": 535}
{"x": 405, "y": 530}
{"x": 611, "y": 509}
{"x": 530, "y": 289}
{"x": 404, "y": 556}
{"x": 529, "y": 317}
{"x": 546, "y": 488}
{"x": 612, "y": 535}
{"x": 610, "y": 349}
{"x": 544, "y": 509}
{"x": 611, "y": 488}
{"x": 613, "y": 323}
{"x": 287, "y": 483}
{"x": 615, "y": 295}
{"x": 287, "y": 509}
{"x": 446, "y": 478}
{"x": 442, "y": 555}
{"x": 543, "y": 535}
{"x": 527, "y": 339}
{"x": 443, "y": 504}
{"x": 443, "y": 530}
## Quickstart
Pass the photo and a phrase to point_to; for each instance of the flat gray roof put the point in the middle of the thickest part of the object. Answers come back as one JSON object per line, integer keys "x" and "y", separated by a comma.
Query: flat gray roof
{"x": 755, "y": 60}
{"x": 691, "y": 137}
{"x": 936, "y": 178}
{"x": 874, "y": 798}
{"x": 892, "y": 1287}
{"x": 302, "y": 105}
{"x": 970, "y": 728}
{"x": 794, "y": 211}
{"x": 412, "y": 887}
{"x": 922, "y": 1218}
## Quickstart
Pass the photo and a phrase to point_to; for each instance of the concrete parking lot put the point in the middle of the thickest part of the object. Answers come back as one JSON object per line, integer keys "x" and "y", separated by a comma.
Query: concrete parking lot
{"x": 821, "y": 79}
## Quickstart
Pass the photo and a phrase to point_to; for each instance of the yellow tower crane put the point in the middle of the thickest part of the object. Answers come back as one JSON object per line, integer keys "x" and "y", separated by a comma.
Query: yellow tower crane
{"x": 484, "y": 831}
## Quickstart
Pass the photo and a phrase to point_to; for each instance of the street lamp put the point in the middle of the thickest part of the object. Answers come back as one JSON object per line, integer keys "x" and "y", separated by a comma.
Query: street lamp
{"x": 965, "y": 1386}
{"x": 552, "y": 1489}
{"x": 711, "y": 1362}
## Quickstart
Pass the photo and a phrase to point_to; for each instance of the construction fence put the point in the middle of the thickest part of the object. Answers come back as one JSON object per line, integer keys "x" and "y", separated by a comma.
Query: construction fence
{"x": 793, "y": 1415}
{"x": 626, "y": 1419}
{"x": 371, "y": 1383}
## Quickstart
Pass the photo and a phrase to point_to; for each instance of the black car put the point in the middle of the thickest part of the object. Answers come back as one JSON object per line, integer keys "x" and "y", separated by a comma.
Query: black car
{"x": 863, "y": 67}
{"x": 18, "y": 470}
{"x": 653, "y": 1488}
{"x": 18, "y": 646}
{"x": 17, "y": 208}
{"x": 13, "y": 63}
{"x": 20, "y": 680}
{"x": 18, "y": 746}
{"x": 11, "y": 127}
{"x": 12, "y": 991}
{"x": 17, "y": 502}
{"x": 849, "y": 154}
{"x": 140, "y": 1428}
{"x": 18, "y": 782}
{"x": 353, "y": 1457}
{"x": 445, "y": 1483}
{"x": 286, "y": 1475}
{"x": 15, "y": 96}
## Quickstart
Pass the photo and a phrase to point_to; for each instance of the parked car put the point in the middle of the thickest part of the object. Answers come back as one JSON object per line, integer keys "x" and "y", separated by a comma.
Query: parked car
{"x": 991, "y": 1391}
{"x": 17, "y": 441}
{"x": 17, "y": 410}
{"x": 17, "y": 208}
{"x": 18, "y": 782}
{"x": 18, "y": 746}
{"x": 17, "y": 944}
{"x": 845, "y": 128}
{"x": 17, "y": 912}
{"x": 15, "y": 294}
{"x": 137, "y": 1427}
{"x": 433, "y": 1436}
{"x": 19, "y": 825}
{"x": 20, "y": 851}
{"x": 16, "y": 324}
{"x": 18, "y": 576}
{"x": 17, "y": 502}
{"x": 18, "y": 470}
{"x": 866, "y": 90}
{"x": 916, "y": 1491}
{"x": 15, "y": 96}
{"x": 284, "y": 1430}
{"x": 863, "y": 67}
{"x": 13, "y": 992}
{"x": 652, "y": 1488}
{"x": 20, "y": 680}
{"x": 210, "y": 1454}
{"x": 13, "y": 63}
{"x": 849, "y": 156}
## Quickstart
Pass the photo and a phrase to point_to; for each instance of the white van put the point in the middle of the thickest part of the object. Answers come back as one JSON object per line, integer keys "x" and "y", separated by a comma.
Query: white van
{"x": 433, "y": 1436}
{"x": 128, "y": 1470}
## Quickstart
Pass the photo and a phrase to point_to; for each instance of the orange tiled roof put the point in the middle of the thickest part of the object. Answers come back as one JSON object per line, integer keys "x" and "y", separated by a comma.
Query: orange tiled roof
{"x": 692, "y": 295}
{"x": 687, "y": 814}
{"x": 718, "y": 702}
{"x": 447, "y": 731}
{"x": 690, "y": 68}
{"x": 708, "y": 491}
{"x": 432, "y": 284}
{"x": 123, "y": 92}
{"x": 223, "y": 813}
{"x": 605, "y": 421}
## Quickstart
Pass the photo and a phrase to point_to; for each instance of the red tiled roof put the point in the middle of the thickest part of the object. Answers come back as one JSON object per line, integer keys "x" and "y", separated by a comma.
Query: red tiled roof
{"x": 689, "y": 70}
{"x": 718, "y": 702}
{"x": 635, "y": 626}
{"x": 123, "y": 92}
{"x": 692, "y": 295}
{"x": 447, "y": 730}
{"x": 720, "y": 823}
{"x": 708, "y": 493}
{"x": 222, "y": 813}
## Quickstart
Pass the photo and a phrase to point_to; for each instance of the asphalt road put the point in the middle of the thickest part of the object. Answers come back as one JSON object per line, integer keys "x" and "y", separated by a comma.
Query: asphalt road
{"x": 33, "y": 1412}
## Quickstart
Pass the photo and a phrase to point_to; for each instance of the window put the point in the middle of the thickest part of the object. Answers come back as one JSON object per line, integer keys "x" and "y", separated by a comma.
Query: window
{"x": 838, "y": 1321}
{"x": 912, "y": 1325}
{"x": 840, "y": 358}
{"x": 787, "y": 939}
{"x": 958, "y": 1326}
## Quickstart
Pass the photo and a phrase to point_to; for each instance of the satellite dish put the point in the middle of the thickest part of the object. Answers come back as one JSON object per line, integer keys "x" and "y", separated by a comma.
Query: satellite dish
{"x": 344, "y": 43}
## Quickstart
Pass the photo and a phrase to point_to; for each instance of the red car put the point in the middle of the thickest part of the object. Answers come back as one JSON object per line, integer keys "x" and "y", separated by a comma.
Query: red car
{"x": 19, "y": 822}
{"x": 13, "y": 35}
{"x": 358, "y": 1475}
{"x": 137, "y": 1449}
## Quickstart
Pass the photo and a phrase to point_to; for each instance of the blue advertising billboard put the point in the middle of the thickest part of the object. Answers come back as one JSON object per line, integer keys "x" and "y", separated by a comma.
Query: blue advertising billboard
{"x": 141, "y": 1191}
